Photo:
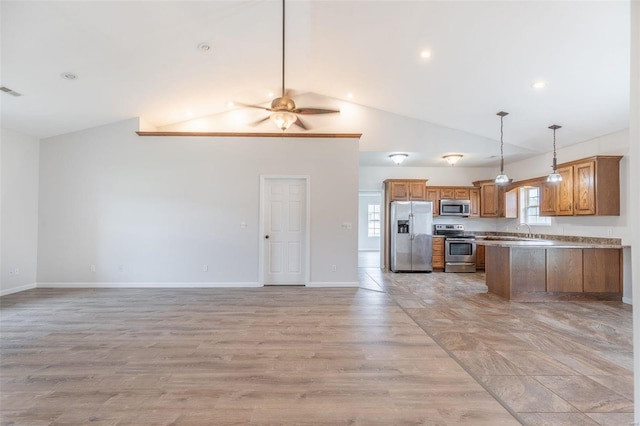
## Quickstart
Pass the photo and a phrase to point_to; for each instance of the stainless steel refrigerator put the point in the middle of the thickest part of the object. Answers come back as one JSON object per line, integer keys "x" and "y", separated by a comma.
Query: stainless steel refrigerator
{"x": 411, "y": 236}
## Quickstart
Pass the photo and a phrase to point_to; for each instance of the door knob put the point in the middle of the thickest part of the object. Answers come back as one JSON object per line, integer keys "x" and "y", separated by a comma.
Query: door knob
{"x": 266, "y": 237}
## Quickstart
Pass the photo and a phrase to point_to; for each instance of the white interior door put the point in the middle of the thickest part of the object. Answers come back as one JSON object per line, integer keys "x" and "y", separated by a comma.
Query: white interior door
{"x": 284, "y": 224}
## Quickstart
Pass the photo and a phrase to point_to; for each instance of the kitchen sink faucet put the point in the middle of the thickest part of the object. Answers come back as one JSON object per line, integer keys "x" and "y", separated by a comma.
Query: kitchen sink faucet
{"x": 529, "y": 235}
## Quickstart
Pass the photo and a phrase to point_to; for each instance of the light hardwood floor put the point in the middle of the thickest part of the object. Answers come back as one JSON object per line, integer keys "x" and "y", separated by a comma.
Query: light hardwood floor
{"x": 402, "y": 349}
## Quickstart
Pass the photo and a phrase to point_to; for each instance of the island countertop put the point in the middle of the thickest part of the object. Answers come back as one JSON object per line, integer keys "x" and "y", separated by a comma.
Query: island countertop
{"x": 495, "y": 242}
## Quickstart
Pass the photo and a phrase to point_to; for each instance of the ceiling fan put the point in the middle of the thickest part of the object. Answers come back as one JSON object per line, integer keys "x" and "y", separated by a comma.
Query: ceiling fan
{"x": 284, "y": 110}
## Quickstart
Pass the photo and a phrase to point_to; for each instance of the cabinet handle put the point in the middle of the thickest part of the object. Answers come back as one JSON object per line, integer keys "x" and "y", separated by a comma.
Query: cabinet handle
{"x": 266, "y": 237}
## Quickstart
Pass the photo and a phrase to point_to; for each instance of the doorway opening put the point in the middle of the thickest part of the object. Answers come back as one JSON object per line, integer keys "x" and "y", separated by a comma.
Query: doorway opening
{"x": 370, "y": 228}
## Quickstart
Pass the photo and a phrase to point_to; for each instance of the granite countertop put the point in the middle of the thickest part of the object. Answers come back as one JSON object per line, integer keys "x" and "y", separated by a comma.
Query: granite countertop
{"x": 497, "y": 241}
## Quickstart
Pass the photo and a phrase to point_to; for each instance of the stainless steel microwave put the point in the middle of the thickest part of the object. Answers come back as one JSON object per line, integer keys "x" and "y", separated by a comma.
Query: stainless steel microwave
{"x": 455, "y": 207}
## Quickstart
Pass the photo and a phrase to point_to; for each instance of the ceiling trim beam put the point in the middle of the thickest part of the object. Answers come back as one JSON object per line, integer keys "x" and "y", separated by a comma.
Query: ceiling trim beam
{"x": 254, "y": 135}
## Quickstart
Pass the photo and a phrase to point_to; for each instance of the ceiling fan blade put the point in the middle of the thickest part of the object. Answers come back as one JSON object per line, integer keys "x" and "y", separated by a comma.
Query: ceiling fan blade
{"x": 299, "y": 123}
{"x": 315, "y": 111}
{"x": 252, "y": 106}
{"x": 255, "y": 123}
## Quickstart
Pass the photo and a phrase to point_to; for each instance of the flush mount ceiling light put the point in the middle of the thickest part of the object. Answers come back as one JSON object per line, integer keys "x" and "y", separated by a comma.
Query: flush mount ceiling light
{"x": 398, "y": 158}
{"x": 554, "y": 177}
{"x": 69, "y": 76}
{"x": 425, "y": 54}
{"x": 502, "y": 178}
{"x": 452, "y": 159}
{"x": 539, "y": 85}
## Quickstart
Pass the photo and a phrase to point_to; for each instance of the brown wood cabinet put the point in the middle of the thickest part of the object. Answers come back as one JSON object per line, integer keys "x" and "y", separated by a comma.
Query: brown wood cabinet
{"x": 480, "y": 254}
{"x": 433, "y": 195}
{"x": 564, "y": 270}
{"x": 490, "y": 195}
{"x": 406, "y": 190}
{"x": 602, "y": 270}
{"x": 590, "y": 186}
{"x": 447, "y": 193}
{"x": 438, "y": 252}
{"x": 474, "y": 196}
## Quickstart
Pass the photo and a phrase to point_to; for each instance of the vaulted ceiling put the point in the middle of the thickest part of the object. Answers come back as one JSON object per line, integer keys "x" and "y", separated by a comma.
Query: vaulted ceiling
{"x": 141, "y": 59}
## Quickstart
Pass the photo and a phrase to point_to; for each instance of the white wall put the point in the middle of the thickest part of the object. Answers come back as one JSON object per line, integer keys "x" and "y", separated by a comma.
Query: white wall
{"x": 162, "y": 207}
{"x": 634, "y": 178}
{"x": 365, "y": 242}
{"x": 19, "y": 218}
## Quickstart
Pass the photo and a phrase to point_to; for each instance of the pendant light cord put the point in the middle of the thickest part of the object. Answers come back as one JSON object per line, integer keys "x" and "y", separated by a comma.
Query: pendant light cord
{"x": 283, "y": 26}
{"x": 501, "y": 146}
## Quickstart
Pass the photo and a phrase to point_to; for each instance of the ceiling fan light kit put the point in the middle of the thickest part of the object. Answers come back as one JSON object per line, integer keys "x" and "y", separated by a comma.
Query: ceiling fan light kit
{"x": 284, "y": 110}
{"x": 502, "y": 178}
{"x": 554, "y": 177}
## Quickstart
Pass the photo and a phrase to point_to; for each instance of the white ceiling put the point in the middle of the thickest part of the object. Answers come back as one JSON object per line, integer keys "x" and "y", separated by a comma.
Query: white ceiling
{"x": 140, "y": 59}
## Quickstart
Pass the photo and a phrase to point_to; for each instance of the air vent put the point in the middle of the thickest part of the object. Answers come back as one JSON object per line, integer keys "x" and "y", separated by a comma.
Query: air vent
{"x": 9, "y": 91}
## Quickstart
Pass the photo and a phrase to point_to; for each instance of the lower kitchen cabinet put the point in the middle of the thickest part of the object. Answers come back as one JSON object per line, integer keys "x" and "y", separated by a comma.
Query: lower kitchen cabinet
{"x": 438, "y": 252}
{"x": 480, "y": 257}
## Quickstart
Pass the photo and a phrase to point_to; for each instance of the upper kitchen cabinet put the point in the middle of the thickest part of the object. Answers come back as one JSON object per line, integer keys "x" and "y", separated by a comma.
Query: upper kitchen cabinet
{"x": 590, "y": 186}
{"x": 495, "y": 201}
{"x": 433, "y": 195}
{"x": 474, "y": 196}
{"x": 406, "y": 189}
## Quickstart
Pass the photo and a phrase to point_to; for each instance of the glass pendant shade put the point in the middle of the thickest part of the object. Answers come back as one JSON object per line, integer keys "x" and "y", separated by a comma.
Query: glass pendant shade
{"x": 554, "y": 177}
{"x": 283, "y": 119}
{"x": 502, "y": 179}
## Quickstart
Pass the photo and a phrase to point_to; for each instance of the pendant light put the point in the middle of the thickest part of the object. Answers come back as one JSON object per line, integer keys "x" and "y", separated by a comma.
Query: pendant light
{"x": 554, "y": 177}
{"x": 502, "y": 178}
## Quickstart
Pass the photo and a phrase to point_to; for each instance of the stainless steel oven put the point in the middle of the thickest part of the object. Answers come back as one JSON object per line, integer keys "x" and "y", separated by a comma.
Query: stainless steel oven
{"x": 460, "y": 254}
{"x": 459, "y": 248}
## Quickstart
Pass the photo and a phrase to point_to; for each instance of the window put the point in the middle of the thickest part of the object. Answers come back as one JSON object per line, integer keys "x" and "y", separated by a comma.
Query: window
{"x": 373, "y": 220}
{"x": 530, "y": 207}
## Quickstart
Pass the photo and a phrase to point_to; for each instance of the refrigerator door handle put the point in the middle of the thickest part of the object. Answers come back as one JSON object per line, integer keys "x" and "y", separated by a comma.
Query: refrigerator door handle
{"x": 412, "y": 224}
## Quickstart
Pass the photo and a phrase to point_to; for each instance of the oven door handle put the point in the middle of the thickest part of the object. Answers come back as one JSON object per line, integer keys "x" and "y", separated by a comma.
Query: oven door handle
{"x": 460, "y": 240}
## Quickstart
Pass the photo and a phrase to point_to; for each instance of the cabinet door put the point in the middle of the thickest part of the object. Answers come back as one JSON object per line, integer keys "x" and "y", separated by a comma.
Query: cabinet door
{"x": 438, "y": 252}
{"x": 564, "y": 203}
{"x": 447, "y": 194}
{"x": 602, "y": 270}
{"x": 399, "y": 191}
{"x": 480, "y": 257}
{"x": 512, "y": 203}
{"x": 432, "y": 195}
{"x": 548, "y": 197}
{"x": 490, "y": 200}
{"x": 474, "y": 196}
{"x": 461, "y": 194}
{"x": 584, "y": 194}
{"x": 417, "y": 191}
{"x": 564, "y": 270}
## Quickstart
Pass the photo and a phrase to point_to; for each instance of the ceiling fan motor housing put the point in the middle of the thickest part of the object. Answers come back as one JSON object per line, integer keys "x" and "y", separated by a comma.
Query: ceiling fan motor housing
{"x": 284, "y": 103}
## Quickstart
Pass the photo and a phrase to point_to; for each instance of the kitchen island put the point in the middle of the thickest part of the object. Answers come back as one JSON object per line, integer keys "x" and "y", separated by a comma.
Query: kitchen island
{"x": 531, "y": 270}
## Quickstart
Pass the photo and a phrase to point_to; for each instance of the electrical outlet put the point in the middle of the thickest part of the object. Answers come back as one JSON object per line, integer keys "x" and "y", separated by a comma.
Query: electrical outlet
{"x": 92, "y": 268}
{"x": 334, "y": 268}
{"x": 205, "y": 268}
{"x": 10, "y": 272}
{"x": 16, "y": 271}
{"x": 609, "y": 232}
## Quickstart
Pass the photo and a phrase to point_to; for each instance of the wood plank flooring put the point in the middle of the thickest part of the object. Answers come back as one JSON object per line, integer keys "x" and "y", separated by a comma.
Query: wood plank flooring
{"x": 402, "y": 349}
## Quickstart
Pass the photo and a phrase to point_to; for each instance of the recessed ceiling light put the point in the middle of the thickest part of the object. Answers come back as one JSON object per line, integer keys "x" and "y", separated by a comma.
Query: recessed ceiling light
{"x": 230, "y": 103}
{"x": 539, "y": 85}
{"x": 270, "y": 94}
{"x": 350, "y": 95}
{"x": 204, "y": 47}
{"x": 69, "y": 76}
{"x": 425, "y": 54}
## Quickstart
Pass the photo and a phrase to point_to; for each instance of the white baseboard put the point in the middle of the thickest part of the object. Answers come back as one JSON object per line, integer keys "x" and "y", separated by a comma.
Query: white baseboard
{"x": 17, "y": 289}
{"x": 627, "y": 300}
{"x": 149, "y": 285}
{"x": 333, "y": 284}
